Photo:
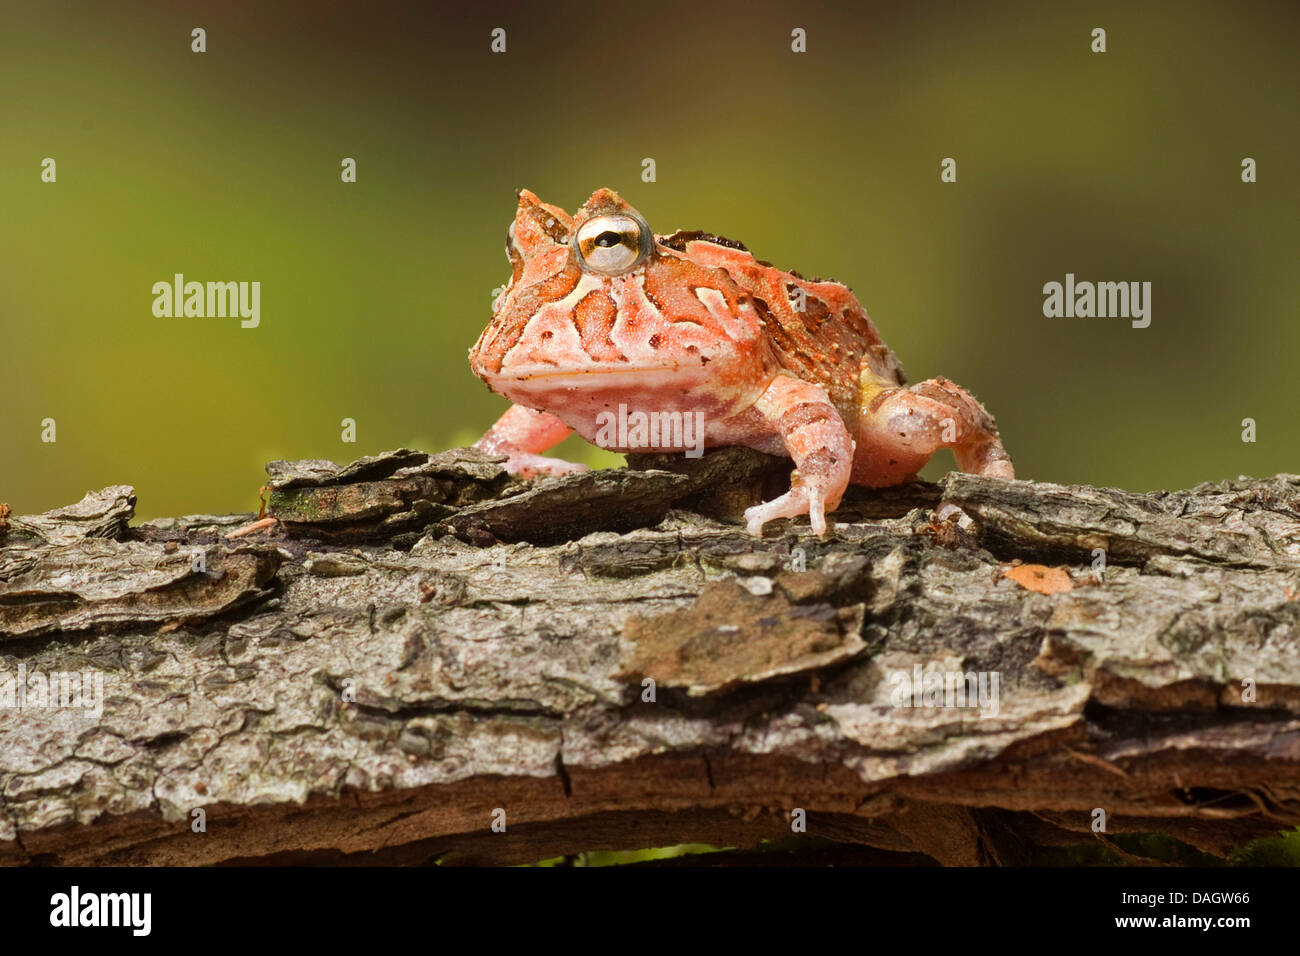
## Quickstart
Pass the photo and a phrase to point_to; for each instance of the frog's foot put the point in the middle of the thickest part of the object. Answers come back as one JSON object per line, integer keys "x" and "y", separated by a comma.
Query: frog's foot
{"x": 986, "y": 458}
{"x": 527, "y": 465}
{"x": 520, "y": 434}
{"x": 799, "y": 500}
{"x": 815, "y": 437}
{"x": 900, "y": 428}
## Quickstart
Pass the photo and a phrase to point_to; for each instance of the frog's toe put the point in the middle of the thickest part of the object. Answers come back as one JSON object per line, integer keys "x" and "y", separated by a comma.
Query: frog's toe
{"x": 526, "y": 465}
{"x": 795, "y": 502}
{"x": 817, "y": 514}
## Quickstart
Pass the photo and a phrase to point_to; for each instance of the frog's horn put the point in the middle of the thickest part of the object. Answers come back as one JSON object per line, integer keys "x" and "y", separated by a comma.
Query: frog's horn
{"x": 602, "y": 203}
{"x": 534, "y": 217}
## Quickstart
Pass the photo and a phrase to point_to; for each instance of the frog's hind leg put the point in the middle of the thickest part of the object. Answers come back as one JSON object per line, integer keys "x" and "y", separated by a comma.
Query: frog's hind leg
{"x": 520, "y": 434}
{"x": 900, "y": 428}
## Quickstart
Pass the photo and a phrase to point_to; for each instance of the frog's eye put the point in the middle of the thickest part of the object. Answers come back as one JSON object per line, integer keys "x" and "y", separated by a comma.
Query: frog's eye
{"x": 612, "y": 245}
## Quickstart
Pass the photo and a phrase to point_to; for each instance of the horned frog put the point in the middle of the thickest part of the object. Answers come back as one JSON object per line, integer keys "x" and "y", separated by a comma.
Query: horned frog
{"x": 600, "y": 312}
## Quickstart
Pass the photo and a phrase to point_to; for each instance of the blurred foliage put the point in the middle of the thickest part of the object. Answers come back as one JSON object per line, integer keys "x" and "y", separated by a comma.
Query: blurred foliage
{"x": 1280, "y": 850}
{"x": 225, "y": 166}
{"x": 620, "y": 857}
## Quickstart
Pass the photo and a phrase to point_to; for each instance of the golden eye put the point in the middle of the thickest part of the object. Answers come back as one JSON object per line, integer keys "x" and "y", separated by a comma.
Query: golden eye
{"x": 612, "y": 245}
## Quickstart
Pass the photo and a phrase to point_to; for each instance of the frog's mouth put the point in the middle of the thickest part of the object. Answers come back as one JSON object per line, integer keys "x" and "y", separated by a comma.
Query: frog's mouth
{"x": 578, "y": 395}
{"x": 579, "y": 378}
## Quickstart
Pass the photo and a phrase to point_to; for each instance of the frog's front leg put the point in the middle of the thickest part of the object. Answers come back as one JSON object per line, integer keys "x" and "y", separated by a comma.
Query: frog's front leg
{"x": 815, "y": 437}
{"x": 900, "y": 428}
{"x": 520, "y": 434}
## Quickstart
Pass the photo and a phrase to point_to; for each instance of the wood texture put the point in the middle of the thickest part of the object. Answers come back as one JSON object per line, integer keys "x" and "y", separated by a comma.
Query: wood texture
{"x": 419, "y": 641}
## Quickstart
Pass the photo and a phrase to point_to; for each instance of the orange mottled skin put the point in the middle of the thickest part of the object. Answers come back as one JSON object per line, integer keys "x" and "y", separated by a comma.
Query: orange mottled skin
{"x": 594, "y": 318}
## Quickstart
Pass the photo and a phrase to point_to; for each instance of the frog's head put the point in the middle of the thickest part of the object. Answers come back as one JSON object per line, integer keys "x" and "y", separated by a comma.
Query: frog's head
{"x": 597, "y": 304}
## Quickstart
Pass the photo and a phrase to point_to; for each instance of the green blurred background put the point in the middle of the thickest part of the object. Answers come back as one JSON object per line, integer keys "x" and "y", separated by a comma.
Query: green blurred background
{"x": 225, "y": 166}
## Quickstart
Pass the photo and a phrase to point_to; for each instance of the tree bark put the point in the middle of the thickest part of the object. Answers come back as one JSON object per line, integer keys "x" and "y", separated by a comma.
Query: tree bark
{"x": 420, "y": 646}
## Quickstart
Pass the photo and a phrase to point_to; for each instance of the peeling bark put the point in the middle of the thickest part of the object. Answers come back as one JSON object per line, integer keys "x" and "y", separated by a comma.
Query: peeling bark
{"x": 420, "y": 640}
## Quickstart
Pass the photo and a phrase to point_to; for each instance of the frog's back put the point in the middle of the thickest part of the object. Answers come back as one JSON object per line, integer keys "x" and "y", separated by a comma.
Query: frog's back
{"x": 817, "y": 328}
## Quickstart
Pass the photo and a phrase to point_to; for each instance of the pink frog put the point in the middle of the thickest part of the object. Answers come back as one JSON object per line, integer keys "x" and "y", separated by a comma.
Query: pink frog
{"x": 600, "y": 312}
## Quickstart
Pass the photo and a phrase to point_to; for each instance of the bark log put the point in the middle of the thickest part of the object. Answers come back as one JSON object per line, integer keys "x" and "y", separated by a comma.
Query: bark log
{"x": 420, "y": 646}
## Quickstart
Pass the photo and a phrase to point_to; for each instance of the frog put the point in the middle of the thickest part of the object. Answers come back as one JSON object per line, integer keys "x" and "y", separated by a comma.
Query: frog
{"x": 600, "y": 313}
